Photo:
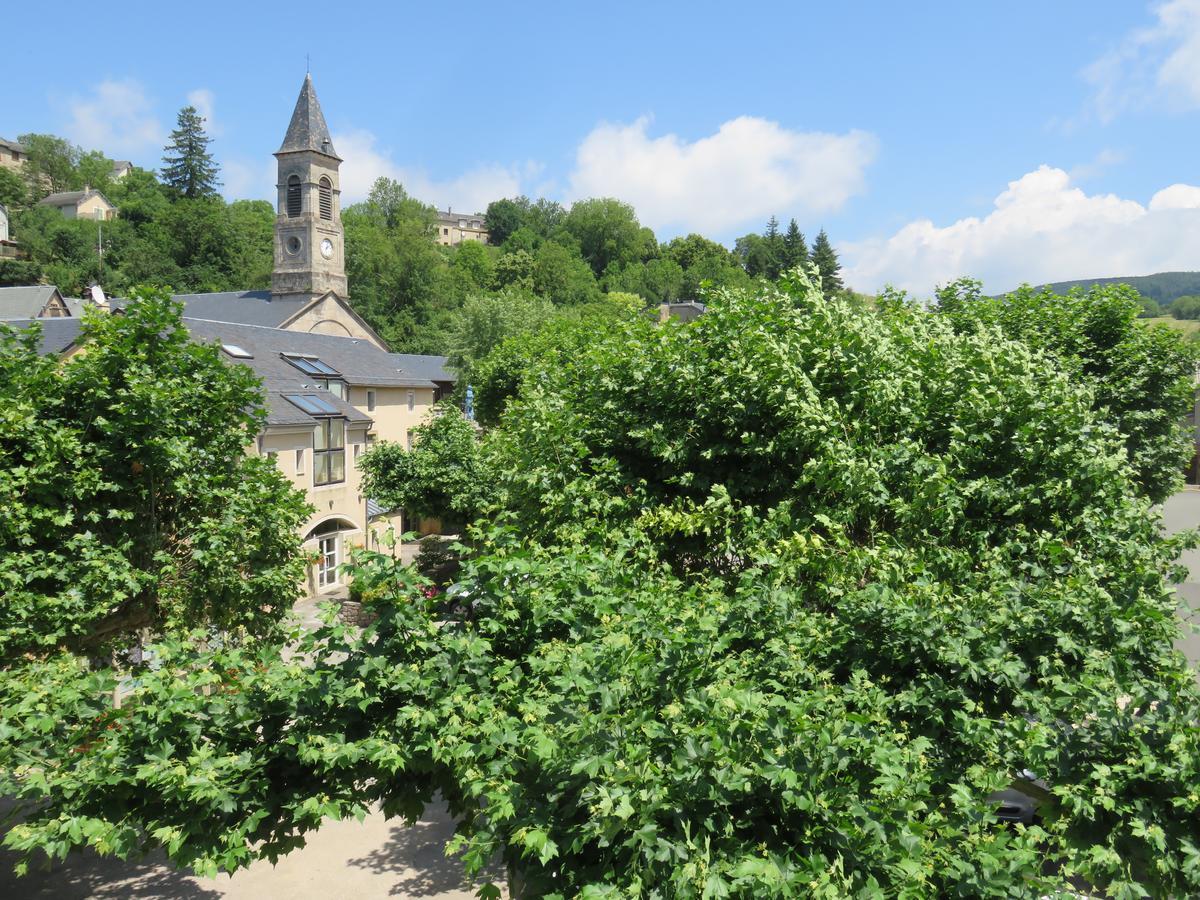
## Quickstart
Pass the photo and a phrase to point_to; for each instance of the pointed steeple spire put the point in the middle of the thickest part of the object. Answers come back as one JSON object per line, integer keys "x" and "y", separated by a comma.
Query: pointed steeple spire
{"x": 307, "y": 130}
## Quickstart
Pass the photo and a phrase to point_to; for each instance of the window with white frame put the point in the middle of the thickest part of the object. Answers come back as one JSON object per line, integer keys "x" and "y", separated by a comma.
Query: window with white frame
{"x": 370, "y": 401}
{"x": 300, "y": 461}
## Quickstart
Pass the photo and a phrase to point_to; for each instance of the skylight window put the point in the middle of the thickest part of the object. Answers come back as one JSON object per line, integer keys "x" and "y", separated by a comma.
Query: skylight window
{"x": 237, "y": 352}
{"x": 312, "y": 404}
{"x": 310, "y": 365}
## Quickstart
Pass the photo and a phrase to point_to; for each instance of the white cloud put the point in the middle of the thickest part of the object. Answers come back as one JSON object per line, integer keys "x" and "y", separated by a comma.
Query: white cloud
{"x": 205, "y": 102}
{"x": 749, "y": 169}
{"x": 116, "y": 118}
{"x": 1041, "y": 229}
{"x": 1177, "y": 196}
{"x": 472, "y": 191}
{"x": 1157, "y": 63}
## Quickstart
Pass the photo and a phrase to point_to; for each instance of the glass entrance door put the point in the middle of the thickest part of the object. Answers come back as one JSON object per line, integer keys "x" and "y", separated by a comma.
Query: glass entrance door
{"x": 327, "y": 561}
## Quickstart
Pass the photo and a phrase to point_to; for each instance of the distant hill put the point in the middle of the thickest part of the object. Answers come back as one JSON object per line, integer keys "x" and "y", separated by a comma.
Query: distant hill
{"x": 1163, "y": 287}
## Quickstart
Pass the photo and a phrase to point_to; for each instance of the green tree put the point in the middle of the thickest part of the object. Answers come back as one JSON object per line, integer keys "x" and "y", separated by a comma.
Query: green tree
{"x": 824, "y": 257}
{"x": 50, "y": 164}
{"x": 132, "y": 502}
{"x": 560, "y": 275}
{"x": 704, "y": 261}
{"x": 503, "y": 217}
{"x": 755, "y": 255}
{"x": 14, "y": 192}
{"x": 188, "y": 167}
{"x": 1141, "y": 378}
{"x": 733, "y": 632}
{"x": 1186, "y": 307}
{"x": 608, "y": 232}
{"x": 656, "y": 281}
{"x": 94, "y": 170}
{"x": 776, "y": 249}
{"x": 514, "y": 270}
{"x": 443, "y": 476}
{"x": 795, "y": 250}
{"x": 487, "y": 320}
{"x": 394, "y": 266}
{"x": 474, "y": 261}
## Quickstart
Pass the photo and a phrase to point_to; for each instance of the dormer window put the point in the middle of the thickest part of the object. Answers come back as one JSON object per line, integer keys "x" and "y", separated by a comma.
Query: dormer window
{"x": 325, "y": 190}
{"x": 293, "y": 195}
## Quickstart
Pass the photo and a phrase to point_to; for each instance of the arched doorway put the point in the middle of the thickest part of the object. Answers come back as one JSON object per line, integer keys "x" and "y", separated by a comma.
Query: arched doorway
{"x": 330, "y": 539}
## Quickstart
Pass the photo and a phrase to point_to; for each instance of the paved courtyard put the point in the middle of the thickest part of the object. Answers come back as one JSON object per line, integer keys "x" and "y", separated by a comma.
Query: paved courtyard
{"x": 370, "y": 860}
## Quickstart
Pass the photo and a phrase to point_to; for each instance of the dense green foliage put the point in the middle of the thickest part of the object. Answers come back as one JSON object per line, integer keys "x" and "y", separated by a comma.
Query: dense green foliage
{"x": 196, "y": 245}
{"x": 1185, "y": 307}
{"x": 442, "y": 476}
{"x": 780, "y": 597}
{"x": 129, "y": 501}
{"x": 1142, "y": 379}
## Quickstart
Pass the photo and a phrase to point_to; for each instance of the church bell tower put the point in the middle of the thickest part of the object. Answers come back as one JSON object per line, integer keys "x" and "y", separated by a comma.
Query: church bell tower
{"x": 310, "y": 256}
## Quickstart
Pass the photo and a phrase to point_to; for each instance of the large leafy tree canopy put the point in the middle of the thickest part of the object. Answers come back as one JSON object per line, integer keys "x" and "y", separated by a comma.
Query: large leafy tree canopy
{"x": 130, "y": 502}
{"x": 780, "y": 596}
{"x": 1143, "y": 378}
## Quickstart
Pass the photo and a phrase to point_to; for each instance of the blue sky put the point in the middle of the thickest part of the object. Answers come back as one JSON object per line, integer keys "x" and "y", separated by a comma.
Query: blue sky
{"x": 1010, "y": 141}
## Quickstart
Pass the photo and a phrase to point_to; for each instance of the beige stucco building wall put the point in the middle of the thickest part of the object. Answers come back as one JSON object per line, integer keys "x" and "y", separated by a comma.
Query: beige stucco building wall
{"x": 330, "y": 316}
{"x": 395, "y": 416}
{"x": 453, "y": 229}
{"x": 88, "y": 209}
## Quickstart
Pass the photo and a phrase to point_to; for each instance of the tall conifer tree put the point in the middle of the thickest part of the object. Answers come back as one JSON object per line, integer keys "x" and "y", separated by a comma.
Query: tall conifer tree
{"x": 775, "y": 250}
{"x": 188, "y": 167}
{"x": 827, "y": 263}
{"x": 795, "y": 248}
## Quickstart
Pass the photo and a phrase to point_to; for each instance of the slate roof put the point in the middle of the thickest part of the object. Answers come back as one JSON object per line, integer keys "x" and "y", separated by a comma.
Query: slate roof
{"x": 12, "y": 145}
{"x": 71, "y": 198}
{"x": 307, "y": 130}
{"x": 431, "y": 368}
{"x": 25, "y": 302}
{"x": 357, "y": 360}
{"x": 57, "y": 334}
{"x": 243, "y": 307}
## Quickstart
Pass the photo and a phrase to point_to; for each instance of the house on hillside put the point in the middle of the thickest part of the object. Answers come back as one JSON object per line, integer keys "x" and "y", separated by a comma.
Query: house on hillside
{"x": 454, "y": 228}
{"x": 12, "y": 155}
{"x": 85, "y": 204}
{"x": 120, "y": 168}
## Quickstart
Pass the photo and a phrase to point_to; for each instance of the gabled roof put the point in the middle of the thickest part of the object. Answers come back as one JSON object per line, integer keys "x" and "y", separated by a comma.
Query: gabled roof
{"x": 58, "y": 335}
{"x": 358, "y": 361}
{"x": 431, "y": 368}
{"x": 307, "y": 130}
{"x": 71, "y": 198}
{"x": 26, "y": 302}
{"x": 244, "y": 307}
{"x": 12, "y": 145}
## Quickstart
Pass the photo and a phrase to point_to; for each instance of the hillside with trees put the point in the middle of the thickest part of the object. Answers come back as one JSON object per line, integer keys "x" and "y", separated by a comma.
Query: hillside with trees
{"x": 174, "y": 229}
{"x": 1163, "y": 287}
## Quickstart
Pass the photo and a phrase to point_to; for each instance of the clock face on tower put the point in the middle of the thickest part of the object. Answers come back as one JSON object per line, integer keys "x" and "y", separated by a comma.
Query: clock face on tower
{"x": 327, "y": 248}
